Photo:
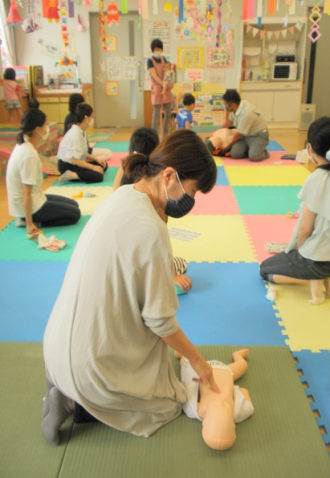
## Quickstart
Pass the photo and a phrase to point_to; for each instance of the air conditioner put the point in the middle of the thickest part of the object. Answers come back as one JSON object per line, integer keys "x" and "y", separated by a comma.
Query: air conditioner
{"x": 307, "y": 116}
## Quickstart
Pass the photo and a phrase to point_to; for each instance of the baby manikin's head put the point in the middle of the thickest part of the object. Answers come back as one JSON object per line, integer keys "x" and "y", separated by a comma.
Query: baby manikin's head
{"x": 219, "y": 430}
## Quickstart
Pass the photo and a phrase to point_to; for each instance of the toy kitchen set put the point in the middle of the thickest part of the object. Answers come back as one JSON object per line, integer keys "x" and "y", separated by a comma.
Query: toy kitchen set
{"x": 272, "y": 70}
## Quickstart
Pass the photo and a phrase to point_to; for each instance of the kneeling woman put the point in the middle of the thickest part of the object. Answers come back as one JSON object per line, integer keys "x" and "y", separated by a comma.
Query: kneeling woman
{"x": 106, "y": 342}
{"x": 24, "y": 180}
{"x": 74, "y": 161}
{"x": 308, "y": 254}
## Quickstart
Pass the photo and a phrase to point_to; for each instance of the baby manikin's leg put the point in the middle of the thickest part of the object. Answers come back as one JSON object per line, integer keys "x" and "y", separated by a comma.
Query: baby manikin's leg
{"x": 239, "y": 367}
{"x": 60, "y": 408}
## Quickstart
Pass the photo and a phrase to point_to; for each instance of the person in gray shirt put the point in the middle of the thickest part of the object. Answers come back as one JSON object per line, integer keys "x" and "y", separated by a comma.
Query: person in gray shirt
{"x": 252, "y": 137}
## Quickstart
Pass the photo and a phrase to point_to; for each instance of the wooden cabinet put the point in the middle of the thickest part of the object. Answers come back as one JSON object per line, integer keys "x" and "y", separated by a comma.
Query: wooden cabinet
{"x": 55, "y": 103}
{"x": 279, "y": 103}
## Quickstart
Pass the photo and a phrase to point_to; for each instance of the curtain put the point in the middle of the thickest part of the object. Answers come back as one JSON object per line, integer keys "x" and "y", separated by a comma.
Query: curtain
{"x": 7, "y": 36}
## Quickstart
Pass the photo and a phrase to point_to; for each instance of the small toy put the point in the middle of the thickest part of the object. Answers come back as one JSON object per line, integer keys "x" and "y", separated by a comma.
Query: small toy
{"x": 292, "y": 215}
{"x": 34, "y": 235}
{"x": 271, "y": 294}
{"x": 51, "y": 244}
{"x": 83, "y": 194}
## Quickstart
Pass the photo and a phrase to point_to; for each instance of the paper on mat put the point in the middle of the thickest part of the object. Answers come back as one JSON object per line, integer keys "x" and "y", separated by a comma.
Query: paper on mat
{"x": 182, "y": 234}
{"x": 276, "y": 248}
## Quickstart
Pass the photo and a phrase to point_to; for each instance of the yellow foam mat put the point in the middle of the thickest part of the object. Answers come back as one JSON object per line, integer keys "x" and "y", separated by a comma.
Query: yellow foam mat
{"x": 87, "y": 205}
{"x": 218, "y": 160}
{"x": 307, "y": 325}
{"x": 222, "y": 239}
{"x": 266, "y": 176}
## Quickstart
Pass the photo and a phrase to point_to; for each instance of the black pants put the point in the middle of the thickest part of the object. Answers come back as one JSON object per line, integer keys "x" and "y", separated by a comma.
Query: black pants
{"x": 57, "y": 211}
{"x": 86, "y": 175}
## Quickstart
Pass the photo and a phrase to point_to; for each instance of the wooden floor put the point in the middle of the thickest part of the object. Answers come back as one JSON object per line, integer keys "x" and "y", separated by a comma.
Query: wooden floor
{"x": 291, "y": 140}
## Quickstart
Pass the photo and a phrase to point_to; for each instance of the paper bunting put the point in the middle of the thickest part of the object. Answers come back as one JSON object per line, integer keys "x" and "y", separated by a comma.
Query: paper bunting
{"x": 155, "y": 7}
{"x": 217, "y": 43}
{"x": 64, "y": 29}
{"x": 145, "y": 9}
{"x": 124, "y": 8}
{"x": 168, "y": 7}
{"x": 102, "y": 28}
{"x": 284, "y": 33}
{"x": 112, "y": 14}
{"x": 13, "y": 15}
{"x": 276, "y": 33}
{"x": 245, "y": 15}
{"x": 271, "y": 7}
{"x": 251, "y": 9}
{"x": 315, "y": 17}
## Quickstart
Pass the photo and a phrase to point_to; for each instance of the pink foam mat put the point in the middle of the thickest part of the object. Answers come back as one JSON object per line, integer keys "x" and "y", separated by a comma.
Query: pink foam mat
{"x": 116, "y": 158}
{"x": 221, "y": 200}
{"x": 263, "y": 229}
{"x": 273, "y": 160}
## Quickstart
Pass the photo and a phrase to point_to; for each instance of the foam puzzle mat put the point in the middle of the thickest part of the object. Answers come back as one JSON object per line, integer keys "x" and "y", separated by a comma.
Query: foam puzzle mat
{"x": 224, "y": 238}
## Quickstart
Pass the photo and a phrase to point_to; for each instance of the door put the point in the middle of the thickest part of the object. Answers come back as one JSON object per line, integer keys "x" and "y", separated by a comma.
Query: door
{"x": 126, "y": 108}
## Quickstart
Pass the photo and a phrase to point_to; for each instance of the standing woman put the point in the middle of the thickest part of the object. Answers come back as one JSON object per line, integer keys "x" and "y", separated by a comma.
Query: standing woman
{"x": 106, "y": 342}
{"x": 74, "y": 161}
{"x": 155, "y": 68}
{"x": 24, "y": 180}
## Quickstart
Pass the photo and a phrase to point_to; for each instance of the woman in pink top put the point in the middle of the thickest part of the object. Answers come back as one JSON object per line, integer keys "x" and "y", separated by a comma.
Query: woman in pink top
{"x": 12, "y": 94}
{"x": 155, "y": 67}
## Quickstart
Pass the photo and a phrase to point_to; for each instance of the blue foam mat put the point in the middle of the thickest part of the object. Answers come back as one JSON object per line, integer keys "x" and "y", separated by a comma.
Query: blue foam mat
{"x": 316, "y": 373}
{"x": 274, "y": 146}
{"x": 222, "y": 179}
{"x": 227, "y": 305}
{"x": 27, "y": 295}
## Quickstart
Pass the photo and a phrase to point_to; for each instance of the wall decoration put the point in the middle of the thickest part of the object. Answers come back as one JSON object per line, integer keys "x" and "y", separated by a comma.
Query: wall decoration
{"x": 217, "y": 75}
{"x": 221, "y": 57}
{"x": 160, "y": 30}
{"x": 114, "y": 67}
{"x": 315, "y": 17}
{"x": 52, "y": 50}
{"x": 194, "y": 75}
{"x": 111, "y": 88}
{"x": 13, "y": 15}
{"x": 191, "y": 22}
{"x": 276, "y": 33}
{"x": 30, "y": 24}
{"x": 217, "y": 42}
{"x": 50, "y": 10}
{"x": 187, "y": 86}
{"x": 191, "y": 57}
{"x": 111, "y": 42}
{"x": 112, "y": 14}
{"x": 168, "y": 7}
{"x": 102, "y": 28}
{"x": 129, "y": 67}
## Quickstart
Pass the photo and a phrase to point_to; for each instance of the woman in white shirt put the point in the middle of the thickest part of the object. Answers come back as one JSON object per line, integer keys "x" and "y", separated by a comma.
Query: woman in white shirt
{"x": 74, "y": 161}
{"x": 106, "y": 341}
{"x": 24, "y": 178}
{"x": 308, "y": 254}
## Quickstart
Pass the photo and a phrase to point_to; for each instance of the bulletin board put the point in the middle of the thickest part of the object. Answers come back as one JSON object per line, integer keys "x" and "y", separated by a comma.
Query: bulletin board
{"x": 160, "y": 30}
{"x": 190, "y": 57}
{"x": 220, "y": 57}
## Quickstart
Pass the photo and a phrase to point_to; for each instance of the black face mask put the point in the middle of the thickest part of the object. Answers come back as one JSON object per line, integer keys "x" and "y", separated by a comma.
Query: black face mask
{"x": 181, "y": 206}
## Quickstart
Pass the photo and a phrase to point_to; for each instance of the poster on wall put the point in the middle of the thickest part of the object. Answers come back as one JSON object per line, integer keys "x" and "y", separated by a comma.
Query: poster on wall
{"x": 129, "y": 68}
{"x": 190, "y": 57}
{"x": 111, "y": 88}
{"x": 160, "y": 30}
{"x": 217, "y": 76}
{"x": 114, "y": 67}
{"x": 111, "y": 43}
{"x": 52, "y": 50}
{"x": 220, "y": 57}
{"x": 193, "y": 24}
{"x": 194, "y": 75}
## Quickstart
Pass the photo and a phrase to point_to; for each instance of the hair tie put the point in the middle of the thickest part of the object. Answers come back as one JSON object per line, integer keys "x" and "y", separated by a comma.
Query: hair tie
{"x": 147, "y": 159}
{"x": 327, "y": 156}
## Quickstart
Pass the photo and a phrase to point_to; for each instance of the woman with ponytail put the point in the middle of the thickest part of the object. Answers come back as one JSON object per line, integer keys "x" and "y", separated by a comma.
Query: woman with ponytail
{"x": 106, "y": 341}
{"x": 24, "y": 180}
{"x": 307, "y": 257}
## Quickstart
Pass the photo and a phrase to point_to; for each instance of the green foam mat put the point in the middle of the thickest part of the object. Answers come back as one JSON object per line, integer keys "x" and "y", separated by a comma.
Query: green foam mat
{"x": 267, "y": 199}
{"x": 24, "y": 451}
{"x": 281, "y": 439}
{"x": 15, "y": 246}
{"x": 115, "y": 146}
{"x": 108, "y": 180}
